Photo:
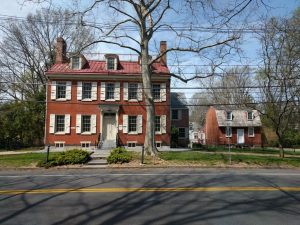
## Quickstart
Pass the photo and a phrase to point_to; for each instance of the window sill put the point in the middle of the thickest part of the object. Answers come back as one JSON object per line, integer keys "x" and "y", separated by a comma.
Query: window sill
{"x": 228, "y": 136}
{"x": 86, "y": 100}
{"x": 60, "y": 133}
{"x": 157, "y": 132}
{"x": 110, "y": 100}
{"x": 86, "y": 133}
{"x": 61, "y": 99}
{"x": 157, "y": 100}
{"x": 132, "y": 100}
{"x": 133, "y": 133}
{"x": 252, "y": 136}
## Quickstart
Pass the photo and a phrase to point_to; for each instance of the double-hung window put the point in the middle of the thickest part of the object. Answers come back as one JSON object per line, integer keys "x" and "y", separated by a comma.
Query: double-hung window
{"x": 132, "y": 91}
{"x": 111, "y": 63}
{"x": 110, "y": 91}
{"x": 86, "y": 123}
{"x": 87, "y": 90}
{"x": 59, "y": 123}
{"x": 132, "y": 124}
{"x": 76, "y": 62}
{"x": 156, "y": 91}
{"x": 157, "y": 124}
{"x": 61, "y": 87}
{"x": 251, "y": 131}
{"x": 181, "y": 132}
{"x": 228, "y": 115}
{"x": 228, "y": 132}
{"x": 250, "y": 115}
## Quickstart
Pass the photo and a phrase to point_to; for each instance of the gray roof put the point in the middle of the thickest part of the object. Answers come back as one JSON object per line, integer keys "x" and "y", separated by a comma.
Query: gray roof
{"x": 239, "y": 118}
{"x": 178, "y": 100}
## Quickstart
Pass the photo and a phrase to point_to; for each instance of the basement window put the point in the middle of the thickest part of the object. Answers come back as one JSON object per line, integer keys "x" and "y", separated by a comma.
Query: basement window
{"x": 85, "y": 144}
{"x": 59, "y": 145}
{"x": 131, "y": 144}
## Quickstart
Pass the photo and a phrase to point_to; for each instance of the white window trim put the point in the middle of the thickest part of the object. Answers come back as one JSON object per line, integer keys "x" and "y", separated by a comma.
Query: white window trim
{"x": 160, "y": 142}
{"x": 132, "y": 142}
{"x": 253, "y": 132}
{"x": 85, "y": 142}
{"x": 60, "y": 142}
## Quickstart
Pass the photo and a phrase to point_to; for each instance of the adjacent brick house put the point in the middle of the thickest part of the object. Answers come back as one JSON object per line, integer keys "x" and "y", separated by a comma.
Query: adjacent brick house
{"x": 99, "y": 103}
{"x": 234, "y": 126}
{"x": 180, "y": 119}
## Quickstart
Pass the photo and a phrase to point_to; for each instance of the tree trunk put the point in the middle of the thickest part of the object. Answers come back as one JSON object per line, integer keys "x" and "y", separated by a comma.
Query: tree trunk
{"x": 150, "y": 109}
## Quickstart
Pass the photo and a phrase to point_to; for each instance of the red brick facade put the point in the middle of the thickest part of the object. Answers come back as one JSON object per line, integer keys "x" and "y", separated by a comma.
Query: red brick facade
{"x": 98, "y": 109}
{"x": 216, "y": 132}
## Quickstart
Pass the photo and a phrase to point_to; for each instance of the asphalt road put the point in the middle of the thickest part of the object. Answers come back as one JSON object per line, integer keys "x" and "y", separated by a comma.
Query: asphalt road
{"x": 150, "y": 196}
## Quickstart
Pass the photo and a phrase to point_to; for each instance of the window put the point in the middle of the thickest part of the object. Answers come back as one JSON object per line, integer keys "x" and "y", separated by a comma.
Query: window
{"x": 228, "y": 115}
{"x": 251, "y": 131}
{"x": 250, "y": 115}
{"x": 61, "y": 89}
{"x": 59, "y": 144}
{"x": 132, "y": 91}
{"x": 157, "y": 124}
{"x": 132, "y": 124}
{"x": 156, "y": 91}
{"x": 76, "y": 62}
{"x": 228, "y": 132}
{"x": 110, "y": 91}
{"x": 110, "y": 63}
{"x": 60, "y": 123}
{"x": 195, "y": 135}
{"x": 86, "y": 124}
{"x": 85, "y": 144}
{"x": 87, "y": 90}
{"x": 175, "y": 114}
{"x": 181, "y": 132}
{"x": 131, "y": 144}
{"x": 158, "y": 144}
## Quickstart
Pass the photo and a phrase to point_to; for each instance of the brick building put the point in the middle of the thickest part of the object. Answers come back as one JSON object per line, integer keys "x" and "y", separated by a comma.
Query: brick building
{"x": 234, "y": 126}
{"x": 180, "y": 119}
{"x": 100, "y": 103}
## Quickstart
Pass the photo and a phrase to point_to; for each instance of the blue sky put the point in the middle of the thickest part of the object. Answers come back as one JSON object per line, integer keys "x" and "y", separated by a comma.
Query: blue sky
{"x": 250, "y": 45}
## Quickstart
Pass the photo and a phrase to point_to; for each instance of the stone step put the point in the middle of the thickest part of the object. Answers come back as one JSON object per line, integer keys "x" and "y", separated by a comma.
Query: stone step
{"x": 97, "y": 162}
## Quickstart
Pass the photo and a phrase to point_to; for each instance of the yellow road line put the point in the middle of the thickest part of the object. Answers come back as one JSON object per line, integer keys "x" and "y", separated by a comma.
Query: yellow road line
{"x": 115, "y": 190}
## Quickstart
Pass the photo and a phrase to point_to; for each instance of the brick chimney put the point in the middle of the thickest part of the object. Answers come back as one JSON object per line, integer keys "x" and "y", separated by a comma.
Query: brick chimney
{"x": 163, "y": 48}
{"x": 61, "y": 52}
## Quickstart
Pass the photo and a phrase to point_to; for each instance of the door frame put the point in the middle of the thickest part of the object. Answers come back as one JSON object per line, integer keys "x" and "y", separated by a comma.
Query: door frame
{"x": 101, "y": 123}
{"x": 237, "y": 135}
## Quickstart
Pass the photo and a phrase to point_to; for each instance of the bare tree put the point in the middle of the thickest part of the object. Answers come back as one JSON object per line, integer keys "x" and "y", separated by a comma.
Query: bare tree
{"x": 279, "y": 76}
{"x": 233, "y": 86}
{"x": 27, "y": 49}
{"x": 135, "y": 24}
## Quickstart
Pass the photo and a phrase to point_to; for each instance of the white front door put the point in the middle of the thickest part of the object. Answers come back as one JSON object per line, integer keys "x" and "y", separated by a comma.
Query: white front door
{"x": 109, "y": 129}
{"x": 240, "y": 136}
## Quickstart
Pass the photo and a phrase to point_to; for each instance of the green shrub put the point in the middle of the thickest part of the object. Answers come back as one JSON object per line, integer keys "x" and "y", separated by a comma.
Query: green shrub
{"x": 119, "y": 155}
{"x": 70, "y": 157}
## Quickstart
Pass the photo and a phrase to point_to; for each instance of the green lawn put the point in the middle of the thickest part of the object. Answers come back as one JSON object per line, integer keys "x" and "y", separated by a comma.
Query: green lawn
{"x": 214, "y": 159}
{"x": 21, "y": 160}
{"x": 248, "y": 150}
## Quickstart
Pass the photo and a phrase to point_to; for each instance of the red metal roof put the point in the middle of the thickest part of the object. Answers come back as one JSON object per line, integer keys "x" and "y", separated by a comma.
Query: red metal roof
{"x": 99, "y": 67}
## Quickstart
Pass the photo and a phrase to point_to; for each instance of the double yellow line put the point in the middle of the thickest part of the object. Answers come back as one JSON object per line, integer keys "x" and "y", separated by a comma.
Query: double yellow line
{"x": 124, "y": 190}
